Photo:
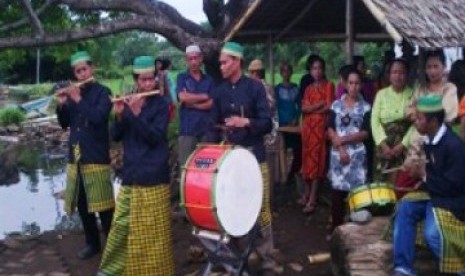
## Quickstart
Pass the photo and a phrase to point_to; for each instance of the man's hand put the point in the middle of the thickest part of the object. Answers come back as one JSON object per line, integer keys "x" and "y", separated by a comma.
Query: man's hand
{"x": 61, "y": 98}
{"x": 183, "y": 96}
{"x": 236, "y": 121}
{"x": 74, "y": 94}
{"x": 135, "y": 104}
{"x": 118, "y": 108}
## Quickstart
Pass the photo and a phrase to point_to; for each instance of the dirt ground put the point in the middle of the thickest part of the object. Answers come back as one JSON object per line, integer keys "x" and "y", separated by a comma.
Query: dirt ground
{"x": 53, "y": 253}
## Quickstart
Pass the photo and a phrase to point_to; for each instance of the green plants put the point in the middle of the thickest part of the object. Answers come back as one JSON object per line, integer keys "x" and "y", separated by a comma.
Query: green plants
{"x": 11, "y": 115}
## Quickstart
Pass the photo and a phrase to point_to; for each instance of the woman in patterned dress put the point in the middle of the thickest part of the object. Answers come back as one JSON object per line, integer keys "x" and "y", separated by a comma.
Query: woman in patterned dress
{"x": 316, "y": 102}
{"x": 348, "y": 127}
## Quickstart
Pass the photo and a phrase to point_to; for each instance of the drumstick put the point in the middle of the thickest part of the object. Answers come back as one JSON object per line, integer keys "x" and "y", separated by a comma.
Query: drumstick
{"x": 402, "y": 167}
{"x": 144, "y": 94}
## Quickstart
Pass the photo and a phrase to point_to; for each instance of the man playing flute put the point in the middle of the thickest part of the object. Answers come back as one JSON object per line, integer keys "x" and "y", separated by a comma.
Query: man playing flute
{"x": 85, "y": 110}
{"x": 140, "y": 241}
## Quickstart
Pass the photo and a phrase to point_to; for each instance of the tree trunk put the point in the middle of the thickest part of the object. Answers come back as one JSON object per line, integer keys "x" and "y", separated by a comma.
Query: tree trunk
{"x": 358, "y": 250}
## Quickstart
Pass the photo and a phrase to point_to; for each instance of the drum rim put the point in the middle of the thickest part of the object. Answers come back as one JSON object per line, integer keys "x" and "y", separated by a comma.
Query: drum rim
{"x": 182, "y": 183}
{"x": 213, "y": 190}
{"x": 375, "y": 184}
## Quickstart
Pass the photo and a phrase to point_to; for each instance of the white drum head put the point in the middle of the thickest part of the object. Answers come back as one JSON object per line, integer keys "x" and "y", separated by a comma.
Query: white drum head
{"x": 239, "y": 192}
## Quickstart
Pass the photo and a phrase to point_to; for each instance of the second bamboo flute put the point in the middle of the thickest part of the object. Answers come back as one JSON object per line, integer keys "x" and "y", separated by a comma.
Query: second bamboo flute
{"x": 144, "y": 94}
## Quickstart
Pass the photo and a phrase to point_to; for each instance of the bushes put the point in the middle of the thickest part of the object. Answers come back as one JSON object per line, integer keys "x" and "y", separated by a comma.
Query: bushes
{"x": 11, "y": 115}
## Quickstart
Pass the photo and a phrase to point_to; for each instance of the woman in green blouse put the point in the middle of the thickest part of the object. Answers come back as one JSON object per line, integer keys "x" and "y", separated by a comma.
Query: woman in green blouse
{"x": 389, "y": 123}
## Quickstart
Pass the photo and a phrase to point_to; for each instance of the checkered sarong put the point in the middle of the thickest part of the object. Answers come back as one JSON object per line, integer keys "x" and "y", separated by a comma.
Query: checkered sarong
{"x": 265, "y": 213}
{"x": 140, "y": 240}
{"x": 452, "y": 241}
{"x": 97, "y": 186}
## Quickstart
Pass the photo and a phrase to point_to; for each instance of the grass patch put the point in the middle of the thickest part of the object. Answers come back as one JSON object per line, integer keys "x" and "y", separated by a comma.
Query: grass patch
{"x": 11, "y": 115}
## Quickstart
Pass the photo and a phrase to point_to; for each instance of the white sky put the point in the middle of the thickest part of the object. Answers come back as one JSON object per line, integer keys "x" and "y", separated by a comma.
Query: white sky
{"x": 191, "y": 9}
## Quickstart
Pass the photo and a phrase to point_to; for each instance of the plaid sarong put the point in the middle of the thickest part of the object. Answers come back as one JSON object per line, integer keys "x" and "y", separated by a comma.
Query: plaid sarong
{"x": 97, "y": 186}
{"x": 395, "y": 132}
{"x": 140, "y": 239}
{"x": 452, "y": 241}
{"x": 265, "y": 213}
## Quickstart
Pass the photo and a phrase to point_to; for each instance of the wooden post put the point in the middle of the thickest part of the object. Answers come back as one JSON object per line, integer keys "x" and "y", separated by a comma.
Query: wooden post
{"x": 269, "y": 46}
{"x": 349, "y": 30}
{"x": 38, "y": 66}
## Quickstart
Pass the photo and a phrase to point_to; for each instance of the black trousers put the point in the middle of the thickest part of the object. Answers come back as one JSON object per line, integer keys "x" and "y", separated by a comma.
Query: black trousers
{"x": 294, "y": 142}
{"x": 338, "y": 207}
{"x": 89, "y": 220}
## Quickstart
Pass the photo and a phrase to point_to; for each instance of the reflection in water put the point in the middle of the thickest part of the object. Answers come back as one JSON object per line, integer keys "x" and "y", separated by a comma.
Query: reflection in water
{"x": 20, "y": 206}
{"x": 29, "y": 206}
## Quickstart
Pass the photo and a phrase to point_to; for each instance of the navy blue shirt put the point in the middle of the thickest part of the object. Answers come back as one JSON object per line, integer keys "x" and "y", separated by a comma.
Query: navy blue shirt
{"x": 192, "y": 120}
{"x": 88, "y": 123}
{"x": 445, "y": 173}
{"x": 288, "y": 101}
{"x": 145, "y": 143}
{"x": 245, "y": 98}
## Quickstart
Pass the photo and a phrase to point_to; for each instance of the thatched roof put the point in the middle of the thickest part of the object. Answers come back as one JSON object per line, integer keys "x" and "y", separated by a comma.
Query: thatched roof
{"x": 426, "y": 23}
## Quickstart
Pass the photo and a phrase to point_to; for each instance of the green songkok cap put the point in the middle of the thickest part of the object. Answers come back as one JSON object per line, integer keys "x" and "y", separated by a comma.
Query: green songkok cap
{"x": 234, "y": 49}
{"x": 143, "y": 64}
{"x": 79, "y": 57}
{"x": 429, "y": 103}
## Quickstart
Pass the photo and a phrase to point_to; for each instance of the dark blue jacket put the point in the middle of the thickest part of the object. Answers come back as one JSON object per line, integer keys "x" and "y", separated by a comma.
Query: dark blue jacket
{"x": 88, "y": 123}
{"x": 247, "y": 97}
{"x": 191, "y": 120}
{"x": 145, "y": 143}
{"x": 445, "y": 173}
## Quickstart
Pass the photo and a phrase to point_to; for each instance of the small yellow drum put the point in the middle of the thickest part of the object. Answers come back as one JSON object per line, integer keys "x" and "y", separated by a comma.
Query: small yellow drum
{"x": 372, "y": 195}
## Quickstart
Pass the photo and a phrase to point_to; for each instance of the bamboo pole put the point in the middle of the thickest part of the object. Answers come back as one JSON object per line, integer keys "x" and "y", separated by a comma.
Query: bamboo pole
{"x": 243, "y": 19}
{"x": 381, "y": 17}
{"x": 349, "y": 30}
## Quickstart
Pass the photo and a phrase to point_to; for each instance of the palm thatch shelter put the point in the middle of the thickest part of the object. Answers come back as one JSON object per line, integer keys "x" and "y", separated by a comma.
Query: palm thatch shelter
{"x": 428, "y": 24}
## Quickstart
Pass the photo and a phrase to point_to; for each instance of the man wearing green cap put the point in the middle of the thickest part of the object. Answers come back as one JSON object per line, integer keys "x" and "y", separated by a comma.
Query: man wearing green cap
{"x": 85, "y": 110}
{"x": 140, "y": 241}
{"x": 443, "y": 213}
{"x": 240, "y": 115}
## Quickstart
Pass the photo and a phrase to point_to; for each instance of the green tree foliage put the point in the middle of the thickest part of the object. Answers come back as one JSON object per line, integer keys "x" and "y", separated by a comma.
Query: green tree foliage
{"x": 333, "y": 53}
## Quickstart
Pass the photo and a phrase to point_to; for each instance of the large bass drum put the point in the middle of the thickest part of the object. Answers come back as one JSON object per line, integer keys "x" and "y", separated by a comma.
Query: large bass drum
{"x": 222, "y": 189}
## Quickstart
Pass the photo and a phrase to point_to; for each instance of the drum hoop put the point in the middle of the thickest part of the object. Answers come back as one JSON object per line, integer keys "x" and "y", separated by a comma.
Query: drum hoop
{"x": 182, "y": 202}
{"x": 182, "y": 182}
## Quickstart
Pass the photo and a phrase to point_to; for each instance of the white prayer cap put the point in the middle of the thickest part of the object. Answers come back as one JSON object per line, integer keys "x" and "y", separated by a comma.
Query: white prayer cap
{"x": 192, "y": 49}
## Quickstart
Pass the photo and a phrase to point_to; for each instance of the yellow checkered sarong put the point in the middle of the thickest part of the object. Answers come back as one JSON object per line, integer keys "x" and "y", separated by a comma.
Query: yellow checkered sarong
{"x": 452, "y": 241}
{"x": 140, "y": 240}
{"x": 97, "y": 186}
{"x": 265, "y": 213}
